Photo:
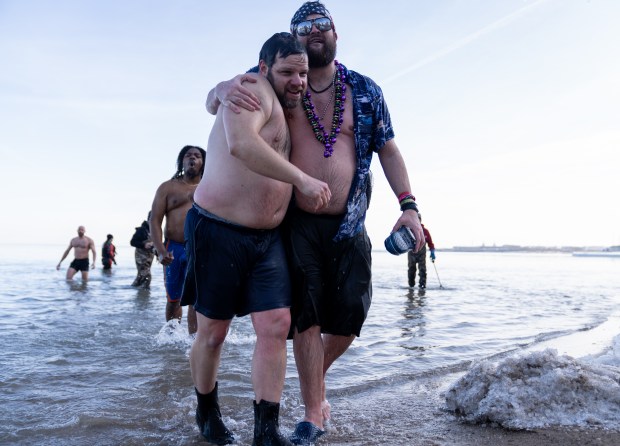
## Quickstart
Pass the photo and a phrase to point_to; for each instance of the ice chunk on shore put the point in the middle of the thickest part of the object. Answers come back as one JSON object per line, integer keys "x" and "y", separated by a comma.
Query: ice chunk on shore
{"x": 538, "y": 389}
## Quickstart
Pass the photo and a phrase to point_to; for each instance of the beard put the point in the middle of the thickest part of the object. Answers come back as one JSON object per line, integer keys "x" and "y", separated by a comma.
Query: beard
{"x": 320, "y": 59}
{"x": 281, "y": 94}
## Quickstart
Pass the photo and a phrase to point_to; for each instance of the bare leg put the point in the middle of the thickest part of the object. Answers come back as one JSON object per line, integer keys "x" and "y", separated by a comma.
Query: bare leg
{"x": 84, "y": 276}
{"x": 174, "y": 311}
{"x": 309, "y": 358}
{"x": 269, "y": 360}
{"x": 334, "y": 346}
{"x": 70, "y": 273}
{"x": 192, "y": 324}
{"x": 204, "y": 357}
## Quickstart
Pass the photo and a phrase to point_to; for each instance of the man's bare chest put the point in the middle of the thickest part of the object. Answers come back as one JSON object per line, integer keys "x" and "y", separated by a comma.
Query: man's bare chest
{"x": 180, "y": 199}
{"x": 79, "y": 243}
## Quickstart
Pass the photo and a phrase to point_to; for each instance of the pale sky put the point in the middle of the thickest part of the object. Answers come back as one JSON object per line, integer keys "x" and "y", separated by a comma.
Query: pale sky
{"x": 507, "y": 112}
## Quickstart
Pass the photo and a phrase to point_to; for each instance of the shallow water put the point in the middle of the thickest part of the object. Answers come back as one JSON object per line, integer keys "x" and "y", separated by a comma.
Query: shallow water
{"x": 95, "y": 363}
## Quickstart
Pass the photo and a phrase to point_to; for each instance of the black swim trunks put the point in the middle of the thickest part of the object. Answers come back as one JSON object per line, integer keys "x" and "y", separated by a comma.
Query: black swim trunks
{"x": 331, "y": 280}
{"x": 79, "y": 264}
{"x": 233, "y": 270}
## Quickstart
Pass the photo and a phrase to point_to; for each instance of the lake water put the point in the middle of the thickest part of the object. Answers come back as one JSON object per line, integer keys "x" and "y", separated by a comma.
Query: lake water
{"x": 96, "y": 363}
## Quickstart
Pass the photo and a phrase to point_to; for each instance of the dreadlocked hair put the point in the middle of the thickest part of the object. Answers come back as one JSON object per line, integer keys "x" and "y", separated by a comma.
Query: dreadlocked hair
{"x": 179, "y": 173}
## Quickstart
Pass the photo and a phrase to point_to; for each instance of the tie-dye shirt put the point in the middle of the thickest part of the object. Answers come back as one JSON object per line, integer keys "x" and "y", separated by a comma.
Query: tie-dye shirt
{"x": 372, "y": 129}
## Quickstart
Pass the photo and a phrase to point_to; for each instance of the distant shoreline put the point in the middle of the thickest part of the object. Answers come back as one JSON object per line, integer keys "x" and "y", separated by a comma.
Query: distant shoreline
{"x": 576, "y": 250}
{"x": 611, "y": 250}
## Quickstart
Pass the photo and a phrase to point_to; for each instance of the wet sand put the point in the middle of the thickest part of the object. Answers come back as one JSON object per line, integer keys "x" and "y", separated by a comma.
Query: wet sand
{"x": 412, "y": 414}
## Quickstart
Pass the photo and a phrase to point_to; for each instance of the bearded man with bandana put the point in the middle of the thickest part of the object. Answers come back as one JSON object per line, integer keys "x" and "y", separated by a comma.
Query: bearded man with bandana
{"x": 343, "y": 121}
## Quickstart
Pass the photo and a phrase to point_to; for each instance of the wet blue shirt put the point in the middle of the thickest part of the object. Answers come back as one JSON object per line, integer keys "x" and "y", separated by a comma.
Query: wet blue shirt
{"x": 372, "y": 128}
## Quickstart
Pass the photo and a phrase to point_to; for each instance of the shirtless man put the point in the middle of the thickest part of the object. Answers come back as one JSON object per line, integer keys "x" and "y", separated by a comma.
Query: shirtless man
{"x": 343, "y": 122}
{"x": 172, "y": 200}
{"x": 81, "y": 245}
{"x": 237, "y": 265}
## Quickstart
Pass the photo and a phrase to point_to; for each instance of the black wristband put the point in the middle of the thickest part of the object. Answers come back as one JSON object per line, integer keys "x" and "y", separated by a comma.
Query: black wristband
{"x": 409, "y": 206}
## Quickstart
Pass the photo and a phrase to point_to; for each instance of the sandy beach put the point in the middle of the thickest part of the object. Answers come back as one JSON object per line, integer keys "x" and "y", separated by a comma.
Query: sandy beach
{"x": 420, "y": 419}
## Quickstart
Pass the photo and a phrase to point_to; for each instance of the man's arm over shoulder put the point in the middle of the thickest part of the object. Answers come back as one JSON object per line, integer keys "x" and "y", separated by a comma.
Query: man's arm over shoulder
{"x": 234, "y": 95}
{"x": 246, "y": 144}
{"x": 243, "y": 128}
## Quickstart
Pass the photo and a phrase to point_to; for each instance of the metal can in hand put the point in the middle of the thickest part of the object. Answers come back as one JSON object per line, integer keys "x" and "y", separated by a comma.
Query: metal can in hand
{"x": 401, "y": 241}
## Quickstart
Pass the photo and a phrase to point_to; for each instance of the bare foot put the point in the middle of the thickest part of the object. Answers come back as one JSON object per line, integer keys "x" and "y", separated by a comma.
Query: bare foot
{"x": 326, "y": 409}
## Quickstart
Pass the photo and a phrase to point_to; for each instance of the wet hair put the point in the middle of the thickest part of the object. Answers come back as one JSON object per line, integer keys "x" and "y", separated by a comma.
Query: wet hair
{"x": 179, "y": 173}
{"x": 110, "y": 237}
{"x": 280, "y": 45}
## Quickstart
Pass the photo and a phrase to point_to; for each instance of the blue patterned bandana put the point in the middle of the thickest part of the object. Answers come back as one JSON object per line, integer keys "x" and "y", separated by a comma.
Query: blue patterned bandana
{"x": 315, "y": 7}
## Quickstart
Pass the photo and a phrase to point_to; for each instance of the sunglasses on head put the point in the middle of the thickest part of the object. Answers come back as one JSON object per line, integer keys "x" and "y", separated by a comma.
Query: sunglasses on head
{"x": 322, "y": 24}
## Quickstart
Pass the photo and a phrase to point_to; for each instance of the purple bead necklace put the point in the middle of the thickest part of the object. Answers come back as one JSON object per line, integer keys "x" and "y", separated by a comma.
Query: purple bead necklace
{"x": 328, "y": 140}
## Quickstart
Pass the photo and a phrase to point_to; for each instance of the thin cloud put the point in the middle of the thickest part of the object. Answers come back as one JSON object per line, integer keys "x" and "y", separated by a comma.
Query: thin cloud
{"x": 498, "y": 24}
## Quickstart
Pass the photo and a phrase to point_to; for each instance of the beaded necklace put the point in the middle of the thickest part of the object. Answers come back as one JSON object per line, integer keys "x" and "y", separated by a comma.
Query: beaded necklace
{"x": 328, "y": 140}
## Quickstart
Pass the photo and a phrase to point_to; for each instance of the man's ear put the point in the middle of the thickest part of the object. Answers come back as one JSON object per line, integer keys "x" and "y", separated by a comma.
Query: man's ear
{"x": 262, "y": 68}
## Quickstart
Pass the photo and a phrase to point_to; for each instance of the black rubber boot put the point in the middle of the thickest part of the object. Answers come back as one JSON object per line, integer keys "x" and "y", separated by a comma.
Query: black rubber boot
{"x": 266, "y": 425}
{"x": 209, "y": 419}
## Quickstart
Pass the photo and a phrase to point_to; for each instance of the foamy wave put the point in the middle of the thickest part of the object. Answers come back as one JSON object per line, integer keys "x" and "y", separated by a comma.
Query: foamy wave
{"x": 173, "y": 333}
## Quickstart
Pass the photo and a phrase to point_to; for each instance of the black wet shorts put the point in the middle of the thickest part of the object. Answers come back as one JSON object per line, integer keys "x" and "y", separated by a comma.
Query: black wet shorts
{"x": 331, "y": 280}
{"x": 80, "y": 265}
{"x": 233, "y": 270}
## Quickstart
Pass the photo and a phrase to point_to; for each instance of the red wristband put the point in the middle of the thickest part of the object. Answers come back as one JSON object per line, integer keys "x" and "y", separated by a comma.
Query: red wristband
{"x": 405, "y": 195}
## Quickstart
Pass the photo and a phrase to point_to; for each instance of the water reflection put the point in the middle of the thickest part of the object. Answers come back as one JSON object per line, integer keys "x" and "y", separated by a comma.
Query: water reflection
{"x": 106, "y": 272}
{"x": 80, "y": 286}
{"x": 413, "y": 325}
{"x": 143, "y": 299}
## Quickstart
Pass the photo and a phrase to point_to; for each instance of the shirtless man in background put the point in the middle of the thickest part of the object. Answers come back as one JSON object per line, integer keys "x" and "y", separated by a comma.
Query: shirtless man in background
{"x": 236, "y": 260}
{"x": 81, "y": 245}
{"x": 172, "y": 200}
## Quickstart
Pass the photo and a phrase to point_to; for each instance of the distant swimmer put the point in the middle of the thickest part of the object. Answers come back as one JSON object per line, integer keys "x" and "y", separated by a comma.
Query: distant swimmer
{"x": 418, "y": 258}
{"x": 145, "y": 251}
{"x": 108, "y": 253}
{"x": 81, "y": 245}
